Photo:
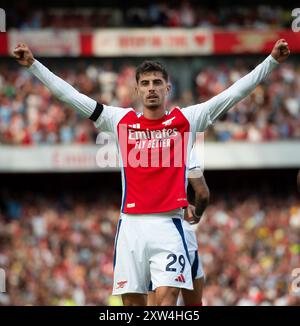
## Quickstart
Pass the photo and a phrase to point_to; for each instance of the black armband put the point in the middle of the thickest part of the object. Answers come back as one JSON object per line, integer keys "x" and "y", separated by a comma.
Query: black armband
{"x": 96, "y": 114}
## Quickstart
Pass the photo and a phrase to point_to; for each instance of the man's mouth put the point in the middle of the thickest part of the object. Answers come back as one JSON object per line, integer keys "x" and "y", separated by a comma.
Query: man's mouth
{"x": 151, "y": 97}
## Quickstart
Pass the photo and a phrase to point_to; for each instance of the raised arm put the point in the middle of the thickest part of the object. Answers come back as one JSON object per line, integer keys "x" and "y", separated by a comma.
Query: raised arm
{"x": 209, "y": 111}
{"x": 88, "y": 107}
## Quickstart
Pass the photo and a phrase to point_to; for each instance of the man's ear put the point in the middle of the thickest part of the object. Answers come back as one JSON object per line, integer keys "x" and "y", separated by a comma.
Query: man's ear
{"x": 169, "y": 87}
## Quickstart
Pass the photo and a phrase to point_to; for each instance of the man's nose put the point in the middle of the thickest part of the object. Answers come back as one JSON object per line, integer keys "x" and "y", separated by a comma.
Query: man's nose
{"x": 151, "y": 87}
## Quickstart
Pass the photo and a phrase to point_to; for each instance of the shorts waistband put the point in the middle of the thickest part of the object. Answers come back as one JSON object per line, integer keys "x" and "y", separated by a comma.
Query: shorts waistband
{"x": 177, "y": 213}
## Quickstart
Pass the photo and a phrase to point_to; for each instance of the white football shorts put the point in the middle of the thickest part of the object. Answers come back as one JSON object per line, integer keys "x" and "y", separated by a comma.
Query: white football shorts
{"x": 192, "y": 244}
{"x": 151, "y": 251}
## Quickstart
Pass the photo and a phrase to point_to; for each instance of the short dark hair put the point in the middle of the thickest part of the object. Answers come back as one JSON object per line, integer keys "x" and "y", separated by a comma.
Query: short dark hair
{"x": 149, "y": 66}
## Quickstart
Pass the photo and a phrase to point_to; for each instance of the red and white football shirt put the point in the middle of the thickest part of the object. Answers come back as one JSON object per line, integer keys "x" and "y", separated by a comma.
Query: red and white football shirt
{"x": 153, "y": 155}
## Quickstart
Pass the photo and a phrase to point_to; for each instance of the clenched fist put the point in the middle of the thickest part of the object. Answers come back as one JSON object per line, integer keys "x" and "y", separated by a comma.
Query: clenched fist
{"x": 23, "y": 55}
{"x": 280, "y": 50}
{"x": 190, "y": 215}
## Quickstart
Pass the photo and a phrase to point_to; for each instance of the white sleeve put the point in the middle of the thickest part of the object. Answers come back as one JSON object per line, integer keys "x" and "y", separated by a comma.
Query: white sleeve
{"x": 106, "y": 118}
{"x": 63, "y": 91}
{"x": 203, "y": 115}
{"x": 194, "y": 165}
{"x": 194, "y": 161}
{"x": 110, "y": 117}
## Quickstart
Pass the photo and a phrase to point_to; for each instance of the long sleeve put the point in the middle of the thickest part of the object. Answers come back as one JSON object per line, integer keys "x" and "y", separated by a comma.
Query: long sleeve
{"x": 63, "y": 91}
{"x": 204, "y": 114}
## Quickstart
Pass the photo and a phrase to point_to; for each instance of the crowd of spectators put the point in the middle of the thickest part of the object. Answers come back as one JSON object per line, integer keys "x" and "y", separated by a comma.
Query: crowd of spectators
{"x": 30, "y": 115}
{"x": 249, "y": 249}
{"x": 155, "y": 14}
{"x": 271, "y": 112}
{"x": 59, "y": 250}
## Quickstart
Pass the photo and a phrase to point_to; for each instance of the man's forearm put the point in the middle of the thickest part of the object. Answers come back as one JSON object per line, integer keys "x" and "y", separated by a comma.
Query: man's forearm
{"x": 62, "y": 90}
{"x": 200, "y": 205}
{"x": 201, "y": 193}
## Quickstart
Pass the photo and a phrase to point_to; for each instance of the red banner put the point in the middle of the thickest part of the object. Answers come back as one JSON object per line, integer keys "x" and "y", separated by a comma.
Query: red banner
{"x": 86, "y": 40}
{"x": 147, "y": 42}
{"x": 152, "y": 41}
{"x": 3, "y": 44}
{"x": 253, "y": 41}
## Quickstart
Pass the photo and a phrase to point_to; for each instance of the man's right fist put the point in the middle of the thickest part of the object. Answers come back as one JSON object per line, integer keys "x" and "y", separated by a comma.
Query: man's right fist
{"x": 280, "y": 50}
{"x": 23, "y": 55}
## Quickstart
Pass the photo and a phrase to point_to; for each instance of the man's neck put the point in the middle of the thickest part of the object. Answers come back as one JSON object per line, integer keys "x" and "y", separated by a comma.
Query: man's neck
{"x": 154, "y": 114}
